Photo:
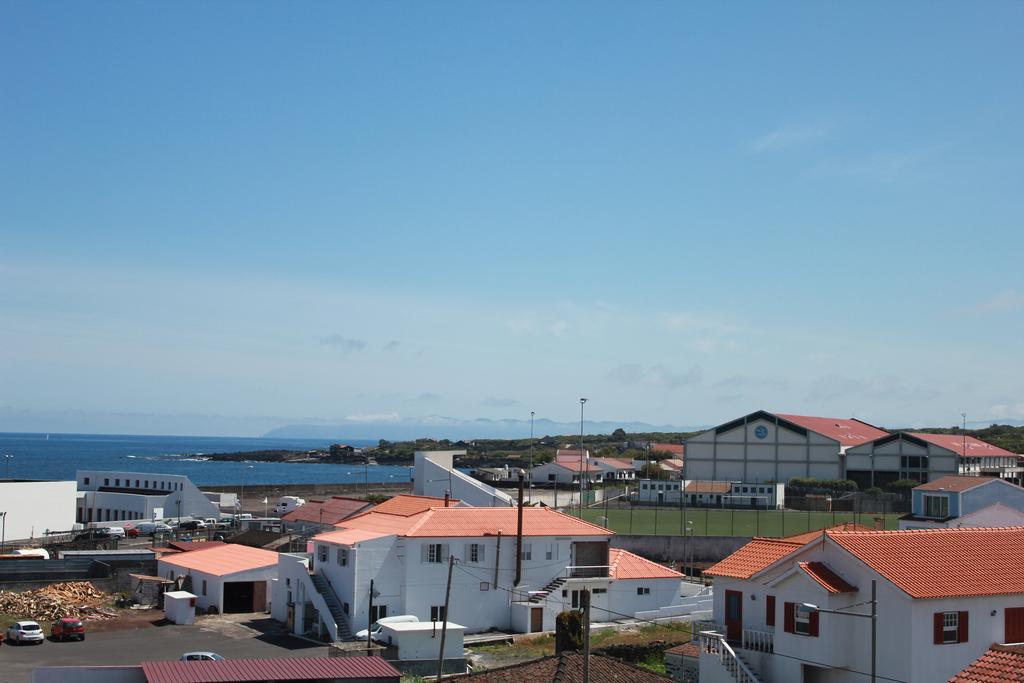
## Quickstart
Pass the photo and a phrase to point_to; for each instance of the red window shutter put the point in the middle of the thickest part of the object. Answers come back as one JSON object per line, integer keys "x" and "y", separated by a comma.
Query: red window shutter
{"x": 812, "y": 627}
{"x": 788, "y": 618}
{"x": 937, "y": 628}
{"x": 769, "y": 610}
{"x": 961, "y": 632}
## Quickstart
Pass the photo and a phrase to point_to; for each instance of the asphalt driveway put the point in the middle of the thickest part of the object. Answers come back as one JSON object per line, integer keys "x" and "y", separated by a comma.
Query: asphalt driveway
{"x": 233, "y": 638}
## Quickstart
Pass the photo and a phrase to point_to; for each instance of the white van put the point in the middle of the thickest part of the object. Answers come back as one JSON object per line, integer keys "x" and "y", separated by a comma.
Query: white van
{"x": 375, "y": 628}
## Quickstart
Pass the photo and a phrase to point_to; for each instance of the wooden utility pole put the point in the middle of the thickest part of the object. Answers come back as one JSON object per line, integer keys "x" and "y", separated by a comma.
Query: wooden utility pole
{"x": 444, "y": 618}
{"x": 585, "y": 604}
{"x": 369, "y": 624}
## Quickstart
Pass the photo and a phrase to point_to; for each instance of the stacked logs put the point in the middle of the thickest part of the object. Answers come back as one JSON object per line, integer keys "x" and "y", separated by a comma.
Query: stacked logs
{"x": 78, "y": 599}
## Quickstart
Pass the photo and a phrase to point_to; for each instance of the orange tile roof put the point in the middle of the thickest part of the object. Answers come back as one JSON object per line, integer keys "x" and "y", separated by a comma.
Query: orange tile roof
{"x": 223, "y": 559}
{"x": 829, "y": 580}
{"x": 626, "y": 565}
{"x": 441, "y": 522}
{"x": 708, "y": 487}
{"x": 812, "y": 535}
{"x": 848, "y": 432}
{"x": 942, "y": 563}
{"x": 758, "y": 554}
{"x": 671, "y": 463}
{"x": 617, "y": 463}
{"x": 674, "y": 448}
{"x": 1000, "y": 664}
{"x": 976, "y": 448}
{"x": 350, "y": 536}
{"x": 335, "y": 509}
{"x": 954, "y": 483}
{"x": 406, "y": 504}
{"x": 574, "y": 465}
{"x": 690, "y": 649}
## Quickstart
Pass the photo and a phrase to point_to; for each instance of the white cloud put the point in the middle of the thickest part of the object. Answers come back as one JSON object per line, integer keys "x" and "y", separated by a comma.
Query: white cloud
{"x": 635, "y": 374}
{"x": 380, "y": 417}
{"x": 344, "y": 343}
{"x": 1009, "y": 300}
{"x": 782, "y": 138}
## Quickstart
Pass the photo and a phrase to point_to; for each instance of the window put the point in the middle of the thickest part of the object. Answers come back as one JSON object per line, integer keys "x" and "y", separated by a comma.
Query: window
{"x": 322, "y": 550}
{"x": 527, "y": 551}
{"x": 378, "y": 612}
{"x": 86, "y": 481}
{"x": 802, "y": 621}
{"x": 204, "y": 586}
{"x": 437, "y": 613}
{"x": 344, "y": 607}
{"x": 769, "y": 610}
{"x": 950, "y": 627}
{"x": 433, "y": 553}
{"x": 106, "y": 482}
{"x": 117, "y": 482}
{"x": 599, "y": 591}
{"x": 936, "y": 506}
{"x": 551, "y": 477}
{"x": 475, "y": 552}
{"x": 551, "y": 553}
{"x": 136, "y": 483}
{"x": 643, "y": 590}
{"x": 343, "y": 559}
{"x": 484, "y": 586}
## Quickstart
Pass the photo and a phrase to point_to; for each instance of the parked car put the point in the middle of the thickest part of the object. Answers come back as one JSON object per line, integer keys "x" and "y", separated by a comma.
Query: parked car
{"x": 192, "y": 525}
{"x": 375, "y": 627}
{"x": 132, "y": 532}
{"x": 115, "y": 531}
{"x": 93, "y": 535}
{"x": 151, "y": 528}
{"x": 201, "y": 657}
{"x": 25, "y": 632}
{"x": 67, "y": 627}
{"x": 210, "y": 521}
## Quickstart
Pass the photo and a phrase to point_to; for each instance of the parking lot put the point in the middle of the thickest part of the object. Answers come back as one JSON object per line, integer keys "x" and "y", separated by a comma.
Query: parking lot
{"x": 233, "y": 637}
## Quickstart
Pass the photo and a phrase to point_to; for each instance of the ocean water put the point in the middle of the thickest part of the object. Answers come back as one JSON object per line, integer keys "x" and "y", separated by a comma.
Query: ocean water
{"x": 58, "y": 456}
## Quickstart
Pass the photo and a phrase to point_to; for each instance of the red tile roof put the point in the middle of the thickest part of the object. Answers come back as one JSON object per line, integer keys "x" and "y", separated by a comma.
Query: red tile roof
{"x": 350, "y": 536}
{"x": 686, "y": 650}
{"x": 755, "y": 556}
{"x": 566, "y": 453}
{"x": 1000, "y": 664}
{"x": 708, "y": 487}
{"x": 574, "y": 466}
{"x": 293, "y": 669}
{"x": 567, "y": 668}
{"x": 335, "y": 509}
{"x": 976, "y": 448}
{"x": 617, "y": 463}
{"x": 671, "y": 464}
{"x": 405, "y": 504}
{"x": 848, "y": 432}
{"x": 626, "y": 565}
{"x": 188, "y": 546}
{"x": 812, "y": 535}
{"x": 954, "y": 483}
{"x": 441, "y": 522}
{"x": 222, "y": 560}
{"x": 673, "y": 448}
{"x": 829, "y": 580}
{"x": 942, "y": 563}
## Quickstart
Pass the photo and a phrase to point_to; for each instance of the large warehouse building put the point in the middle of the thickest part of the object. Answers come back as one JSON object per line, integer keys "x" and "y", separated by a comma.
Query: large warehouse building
{"x": 775, "y": 447}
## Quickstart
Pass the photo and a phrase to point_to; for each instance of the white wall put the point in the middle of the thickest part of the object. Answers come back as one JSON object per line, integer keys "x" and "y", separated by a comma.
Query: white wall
{"x": 436, "y": 478}
{"x": 215, "y": 584}
{"x": 32, "y": 507}
{"x": 425, "y": 643}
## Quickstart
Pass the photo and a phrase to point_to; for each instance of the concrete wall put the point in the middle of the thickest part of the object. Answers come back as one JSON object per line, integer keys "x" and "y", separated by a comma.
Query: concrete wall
{"x": 435, "y": 478}
{"x": 998, "y": 491}
{"x": 424, "y": 643}
{"x": 33, "y": 507}
{"x": 678, "y": 548}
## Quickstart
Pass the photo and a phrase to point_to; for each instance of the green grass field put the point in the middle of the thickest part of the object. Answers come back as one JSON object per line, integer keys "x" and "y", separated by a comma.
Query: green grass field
{"x": 711, "y": 522}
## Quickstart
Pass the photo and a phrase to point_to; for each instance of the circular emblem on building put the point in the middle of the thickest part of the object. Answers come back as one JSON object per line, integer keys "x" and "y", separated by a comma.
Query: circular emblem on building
{"x": 761, "y": 432}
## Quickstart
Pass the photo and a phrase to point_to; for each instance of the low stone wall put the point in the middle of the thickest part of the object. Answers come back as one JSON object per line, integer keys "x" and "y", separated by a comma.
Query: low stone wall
{"x": 678, "y": 548}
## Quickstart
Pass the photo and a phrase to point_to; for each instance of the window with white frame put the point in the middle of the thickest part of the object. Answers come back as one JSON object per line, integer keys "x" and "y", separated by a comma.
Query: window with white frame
{"x": 437, "y": 613}
{"x": 434, "y": 553}
{"x": 322, "y": 552}
{"x": 801, "y": 620}
{"x": 551, "y": 553}
{"x": 342, "y": 557}
{"x": 643, "y": 590}
{"x": 951, "y": 627}
{"x": 475, "y": 552}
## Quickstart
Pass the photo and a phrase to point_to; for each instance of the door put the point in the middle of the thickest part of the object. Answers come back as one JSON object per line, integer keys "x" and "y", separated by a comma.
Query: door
{"x": 259, "y": 596}
{"x": 733, "y": 615}
{"x": 536, "y": 619}
{"x": 1014, "y": 625}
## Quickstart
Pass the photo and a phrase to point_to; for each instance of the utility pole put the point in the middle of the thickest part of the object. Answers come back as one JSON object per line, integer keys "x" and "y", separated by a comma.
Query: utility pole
{"x": 444, "y": 618}
{"x": 583, "y": 468}
{"x": 369, "y": 624}
{"x": 3, "y": 532}
{"x": 531, "y": 457}
{"x": 585, "y": 604}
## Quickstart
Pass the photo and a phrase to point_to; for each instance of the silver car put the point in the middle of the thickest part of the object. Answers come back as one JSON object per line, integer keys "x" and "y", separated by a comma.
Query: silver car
{"x": 201, "y": 657}
{"x": 25, "y": 632}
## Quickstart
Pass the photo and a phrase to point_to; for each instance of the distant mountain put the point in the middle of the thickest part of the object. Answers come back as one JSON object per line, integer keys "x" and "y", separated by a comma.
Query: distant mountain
{"x": 440, "y": 427}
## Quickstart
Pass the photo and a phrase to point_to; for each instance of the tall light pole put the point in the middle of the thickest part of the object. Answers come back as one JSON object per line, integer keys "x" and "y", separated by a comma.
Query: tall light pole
{"x": 3, "y": 532}
{"x": 531, "y": 457}
{"x": 873, "y": 616}
{"x": 583, "y": 470}
{"x": 964, "y": 416}
{"x": 7, "y": 470}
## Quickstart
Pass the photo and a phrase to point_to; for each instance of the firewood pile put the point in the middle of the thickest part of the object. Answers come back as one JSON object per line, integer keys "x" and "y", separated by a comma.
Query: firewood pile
{"x": 72, "y": 599}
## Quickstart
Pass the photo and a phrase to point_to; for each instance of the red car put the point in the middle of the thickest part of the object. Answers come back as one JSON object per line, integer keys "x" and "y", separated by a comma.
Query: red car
{"x": 131, "y": 532}
{"x": 67, "y": 627}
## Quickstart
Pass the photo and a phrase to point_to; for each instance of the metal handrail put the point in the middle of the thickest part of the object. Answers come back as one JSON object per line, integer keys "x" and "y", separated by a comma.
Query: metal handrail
{"x": 715, "y": 644}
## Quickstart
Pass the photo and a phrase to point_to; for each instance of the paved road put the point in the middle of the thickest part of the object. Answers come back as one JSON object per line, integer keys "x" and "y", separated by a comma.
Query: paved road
{"x": 262, "y": 638}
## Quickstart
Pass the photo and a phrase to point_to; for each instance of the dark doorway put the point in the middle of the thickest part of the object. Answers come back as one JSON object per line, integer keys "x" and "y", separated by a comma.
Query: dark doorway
{"x": 1014, "y": 625}
{"x": 536, "y": 619}
{"x": 733, "y": 615}
{"x": 238, "y": 596}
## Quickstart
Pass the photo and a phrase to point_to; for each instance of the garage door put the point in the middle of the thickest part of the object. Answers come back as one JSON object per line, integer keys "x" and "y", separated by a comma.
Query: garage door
{"x": 245, "y": 596}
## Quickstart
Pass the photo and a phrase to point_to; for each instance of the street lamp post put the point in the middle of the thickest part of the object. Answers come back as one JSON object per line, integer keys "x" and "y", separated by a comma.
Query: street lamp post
{"x": 3, "y": 532}
{"x": 583, "y": 470}
{"x": 873, "y": 616}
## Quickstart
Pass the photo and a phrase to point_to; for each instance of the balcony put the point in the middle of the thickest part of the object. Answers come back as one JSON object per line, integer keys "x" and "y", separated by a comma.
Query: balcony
{"x": 599, "y": 571}
{"x": 751, "y": 639}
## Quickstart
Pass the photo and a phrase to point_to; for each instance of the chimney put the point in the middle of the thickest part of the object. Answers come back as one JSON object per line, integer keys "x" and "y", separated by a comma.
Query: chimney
{"x": 519, "y": 534}
{"x": 446, "y": 497}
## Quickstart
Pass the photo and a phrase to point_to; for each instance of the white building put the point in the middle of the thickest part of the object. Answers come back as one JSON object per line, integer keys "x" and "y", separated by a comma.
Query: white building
{"x": 723, "y": 494}
{"x": 404, "y": 547}
{"x": 927, "y": 457}
{"x": 434, "y": 475}
{"x": 34, "y": 507}
{"x": 615, "y": 469}
{"x": 116, "y": 496}
{"x": 420, "y": 640}
{"x": 775, "y": 447}
{"x": 565, "y": 473}
{"x": 230, "y": 577}
{"x": 943, "y": 596}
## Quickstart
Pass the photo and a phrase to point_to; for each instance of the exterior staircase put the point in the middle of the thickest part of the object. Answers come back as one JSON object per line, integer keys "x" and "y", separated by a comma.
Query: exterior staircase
{"x": 715, "y": 646}
{"x": 327, "y": 593}
{"x": 542, "y": 594}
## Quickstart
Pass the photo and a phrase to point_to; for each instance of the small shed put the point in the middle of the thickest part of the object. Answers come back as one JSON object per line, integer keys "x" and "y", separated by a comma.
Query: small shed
{"x": 180, "y": 607}
{"x": 422, "y": 639}
{"x": 228, "y": 578}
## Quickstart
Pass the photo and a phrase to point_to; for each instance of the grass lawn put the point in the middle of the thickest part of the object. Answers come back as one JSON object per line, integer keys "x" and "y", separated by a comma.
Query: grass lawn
{"x": 711, "y": 522}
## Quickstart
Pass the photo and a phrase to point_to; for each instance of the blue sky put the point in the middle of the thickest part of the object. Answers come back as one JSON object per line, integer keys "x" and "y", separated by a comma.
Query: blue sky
{"x": 395, "y": 210}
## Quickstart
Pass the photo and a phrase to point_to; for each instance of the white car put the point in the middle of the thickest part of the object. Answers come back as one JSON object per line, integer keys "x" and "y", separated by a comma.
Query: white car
{"x": 115, "y": 531}
{"x": 25, "y": 632}
{"x": 202, "y": 657}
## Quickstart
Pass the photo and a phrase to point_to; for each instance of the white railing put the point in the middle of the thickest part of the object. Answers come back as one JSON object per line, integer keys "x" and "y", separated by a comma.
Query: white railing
{"x": 714, "y": 644}
{"x": 759, "y": 641}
